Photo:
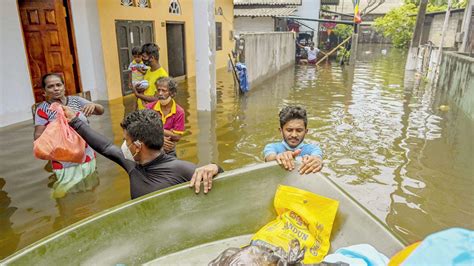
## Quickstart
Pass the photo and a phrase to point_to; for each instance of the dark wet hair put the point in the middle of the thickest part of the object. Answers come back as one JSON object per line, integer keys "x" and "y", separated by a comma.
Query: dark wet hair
{"x": 172, "y": 84}
{"x": 289, "y": 113}
{"x": 43, "y": 79}
{"x": 152, "y": 50}
{"x": 137, "y": 50}
{"x": 145, "y": 126}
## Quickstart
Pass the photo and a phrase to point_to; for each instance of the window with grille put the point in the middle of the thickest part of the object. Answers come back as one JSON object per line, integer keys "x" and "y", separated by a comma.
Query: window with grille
{"x": 136, "y": 3}
{"x": 126, "y": 2}
{"x": 219, "y": 11}
{"x": 143, "y": 3}
{"x": 218, "y": 36}
{"x": 175, "y": 7}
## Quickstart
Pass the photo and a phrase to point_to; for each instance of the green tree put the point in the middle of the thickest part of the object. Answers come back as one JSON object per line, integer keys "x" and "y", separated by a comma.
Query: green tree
{"x": 441, "y": 3}
{"x": 343, "y": 31}
{"x": 398, "y": 24}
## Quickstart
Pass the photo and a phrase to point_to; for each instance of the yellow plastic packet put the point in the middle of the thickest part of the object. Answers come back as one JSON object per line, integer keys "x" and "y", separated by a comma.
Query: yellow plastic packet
{"x": 302, "y": 216}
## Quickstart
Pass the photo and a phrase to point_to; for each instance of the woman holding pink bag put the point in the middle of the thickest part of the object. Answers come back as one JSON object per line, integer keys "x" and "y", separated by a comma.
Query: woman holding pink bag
{"x": 68, "y": 174}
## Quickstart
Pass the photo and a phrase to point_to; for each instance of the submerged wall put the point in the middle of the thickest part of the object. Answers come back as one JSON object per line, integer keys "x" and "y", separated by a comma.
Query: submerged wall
{"x": 456, "y": 77}
{"x": 267, "y": 53}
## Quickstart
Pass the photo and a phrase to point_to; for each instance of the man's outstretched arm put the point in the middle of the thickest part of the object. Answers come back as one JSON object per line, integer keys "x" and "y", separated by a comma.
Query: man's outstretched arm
{"x": 285, "y": 159}
{"x": 97, "y": 141}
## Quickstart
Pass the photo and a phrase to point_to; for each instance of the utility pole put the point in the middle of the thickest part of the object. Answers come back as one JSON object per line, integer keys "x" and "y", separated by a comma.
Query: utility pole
{"x": 440, "y": 50}
{"x": 355, "y": 35}
{"x": 415, "y": 41}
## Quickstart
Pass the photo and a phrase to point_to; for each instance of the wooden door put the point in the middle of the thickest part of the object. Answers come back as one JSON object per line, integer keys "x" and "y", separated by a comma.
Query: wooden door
{"x": 176, "y": 49}
{"x": 47, "y": 43}
{"x": 130, "y": 33}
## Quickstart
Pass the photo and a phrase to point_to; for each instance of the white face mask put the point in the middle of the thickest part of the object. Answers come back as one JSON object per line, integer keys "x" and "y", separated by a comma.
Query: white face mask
{"x": 165, "y": 101}
{"x": 126, "y": 152}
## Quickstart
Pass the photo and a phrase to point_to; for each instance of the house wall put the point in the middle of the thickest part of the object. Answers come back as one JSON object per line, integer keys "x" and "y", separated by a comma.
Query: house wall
{"x": 267, "y": 53}
{"x": 227, "y": 19}
{"x": 259, "y": 24}
{"x": 112, "y": 10}
{"x": 436, "y": 29}
{"x": 16, "y": 94}
{"x": 310, "y": 9}
{"x": 456, "y": 77}
{"x": 89, "y": 48}
{"x": 94, "y": 29}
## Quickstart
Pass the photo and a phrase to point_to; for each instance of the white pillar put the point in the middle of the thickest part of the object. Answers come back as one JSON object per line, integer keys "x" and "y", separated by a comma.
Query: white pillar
{"x": 205, "y": 45}
{"x": 206, "y": 138}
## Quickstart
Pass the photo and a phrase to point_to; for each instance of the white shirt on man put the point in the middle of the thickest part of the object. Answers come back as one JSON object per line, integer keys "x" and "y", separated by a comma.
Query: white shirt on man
{"x": 312, "y": 54}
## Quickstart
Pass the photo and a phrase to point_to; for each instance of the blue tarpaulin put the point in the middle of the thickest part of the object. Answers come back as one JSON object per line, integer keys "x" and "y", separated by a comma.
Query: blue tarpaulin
{"x": 453, "y": 246}
{"x": 243, "y": 77}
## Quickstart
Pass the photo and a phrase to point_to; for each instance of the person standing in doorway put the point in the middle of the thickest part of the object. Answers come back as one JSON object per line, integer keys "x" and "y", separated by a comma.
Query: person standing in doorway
{"x": 150, "y": 57}
{"x": 172, "y": 115}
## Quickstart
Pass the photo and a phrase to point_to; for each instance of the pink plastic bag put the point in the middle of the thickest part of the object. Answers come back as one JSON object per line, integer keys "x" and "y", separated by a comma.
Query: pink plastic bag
{"x": 59, "y": 142}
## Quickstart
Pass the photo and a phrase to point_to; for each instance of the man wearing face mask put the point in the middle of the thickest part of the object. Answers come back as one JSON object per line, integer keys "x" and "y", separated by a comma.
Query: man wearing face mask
{"x": 293, "y": 128}
{"x": 150, "y": 57}
{"x": 172, "y": 115}
{"x": 142, "y": 155}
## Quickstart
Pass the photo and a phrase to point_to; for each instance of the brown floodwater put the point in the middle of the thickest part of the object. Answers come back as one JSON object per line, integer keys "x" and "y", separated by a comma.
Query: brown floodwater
{"x": 385, "y": 139}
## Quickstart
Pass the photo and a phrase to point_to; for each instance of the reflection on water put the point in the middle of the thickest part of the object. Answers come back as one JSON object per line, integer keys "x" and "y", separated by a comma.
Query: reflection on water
{"x": 385, "y": 142}
{"x": 8, "y": 238}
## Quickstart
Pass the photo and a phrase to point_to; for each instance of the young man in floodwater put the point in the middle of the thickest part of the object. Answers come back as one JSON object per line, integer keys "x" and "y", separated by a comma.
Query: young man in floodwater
{"x": 142, "y": 154}
{"x": 293, "y": 128}
{"x": 312, "y": 53}
{"x": 151, "y": 58}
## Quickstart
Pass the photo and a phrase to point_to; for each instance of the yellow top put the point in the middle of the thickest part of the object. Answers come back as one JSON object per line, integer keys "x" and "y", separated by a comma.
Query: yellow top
{"x": 152, "y": 77}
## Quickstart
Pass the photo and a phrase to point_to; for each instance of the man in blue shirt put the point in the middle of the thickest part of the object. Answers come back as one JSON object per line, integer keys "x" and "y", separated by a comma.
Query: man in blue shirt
{"x": 293, "y": 128}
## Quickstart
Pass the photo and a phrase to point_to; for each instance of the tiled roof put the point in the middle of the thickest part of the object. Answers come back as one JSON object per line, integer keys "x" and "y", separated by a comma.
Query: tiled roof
{"x": 264, "y": 11}
{"x": 267, "y": 2}
{"x": 330, "y": 2}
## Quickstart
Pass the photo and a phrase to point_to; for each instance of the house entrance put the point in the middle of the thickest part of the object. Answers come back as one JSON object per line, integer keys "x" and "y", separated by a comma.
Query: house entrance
{"x": 49, "y": 42}
{"x": 176, "y": 49}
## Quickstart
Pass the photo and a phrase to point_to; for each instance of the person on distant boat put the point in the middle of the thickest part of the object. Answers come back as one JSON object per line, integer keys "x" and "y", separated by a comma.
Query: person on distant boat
{"x": 142, "y": 154}
{"x": 293, "y": 128}
{"x": 312, "y": 53}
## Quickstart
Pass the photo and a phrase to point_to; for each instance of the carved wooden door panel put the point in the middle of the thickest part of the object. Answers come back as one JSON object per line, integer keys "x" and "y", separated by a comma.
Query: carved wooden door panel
{"x": 47, "y": 43}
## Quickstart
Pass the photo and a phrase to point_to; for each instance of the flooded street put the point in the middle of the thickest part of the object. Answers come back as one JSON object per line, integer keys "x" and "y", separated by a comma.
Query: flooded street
{"x": 386, "y": 142}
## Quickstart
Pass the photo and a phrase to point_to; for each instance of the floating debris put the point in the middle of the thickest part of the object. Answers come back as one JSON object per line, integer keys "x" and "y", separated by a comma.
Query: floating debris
{"x": 443, "y": 108}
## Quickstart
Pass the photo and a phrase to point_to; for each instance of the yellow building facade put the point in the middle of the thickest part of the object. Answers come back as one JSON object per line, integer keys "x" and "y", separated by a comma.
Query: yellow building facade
{"x": 161, "y": 13}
